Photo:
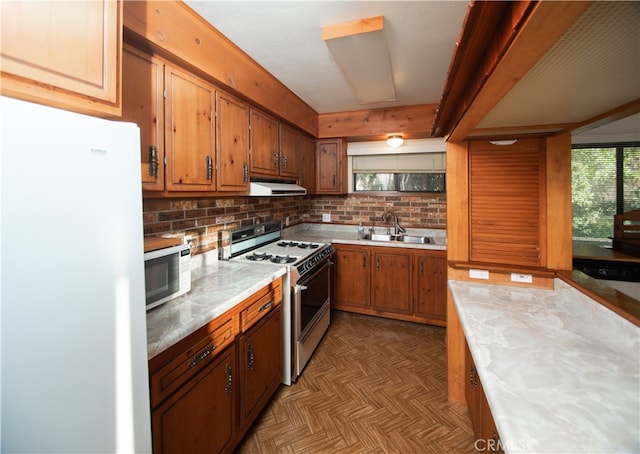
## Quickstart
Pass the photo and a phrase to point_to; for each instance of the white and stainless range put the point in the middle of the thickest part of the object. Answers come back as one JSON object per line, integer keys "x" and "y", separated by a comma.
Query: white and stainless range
{"x": 306, "y": 307}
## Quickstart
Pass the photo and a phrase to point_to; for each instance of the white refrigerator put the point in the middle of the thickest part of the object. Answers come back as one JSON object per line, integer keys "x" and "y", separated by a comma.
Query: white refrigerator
{"x": 73, "y": 345}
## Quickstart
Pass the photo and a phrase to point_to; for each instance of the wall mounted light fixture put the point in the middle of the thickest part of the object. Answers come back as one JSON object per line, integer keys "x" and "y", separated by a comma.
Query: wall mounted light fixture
{"x": 395, "y": 140}
{"x": 503, "y": 143}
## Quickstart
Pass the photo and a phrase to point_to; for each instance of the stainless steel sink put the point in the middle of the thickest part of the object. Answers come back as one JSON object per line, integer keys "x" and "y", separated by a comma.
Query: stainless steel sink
{"x": 417, "y": 239}
{"x": 398, "y": 238}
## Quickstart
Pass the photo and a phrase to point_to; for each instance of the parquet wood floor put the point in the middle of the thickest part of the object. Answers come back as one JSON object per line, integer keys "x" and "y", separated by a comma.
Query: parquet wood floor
{"x": 373, "y": 386}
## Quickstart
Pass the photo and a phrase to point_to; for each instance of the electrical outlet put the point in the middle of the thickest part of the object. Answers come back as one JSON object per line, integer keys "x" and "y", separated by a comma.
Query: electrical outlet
{"x": 479, "y": 274}
{"x": 286, "y": 220}
{"x": 326, "y": 217}
{"x": 517, "y": 277}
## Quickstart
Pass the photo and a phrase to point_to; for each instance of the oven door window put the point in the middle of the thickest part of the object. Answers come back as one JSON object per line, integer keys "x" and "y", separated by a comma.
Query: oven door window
{"x": 314, "y": 294}
{"x": 161, "y": 277}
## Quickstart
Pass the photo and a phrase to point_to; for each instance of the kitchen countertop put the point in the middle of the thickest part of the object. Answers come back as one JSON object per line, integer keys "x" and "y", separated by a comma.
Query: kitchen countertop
{"x": 348, "y": 234}
{"x": 215, "y": 288}
{"x": 561, "y": 372}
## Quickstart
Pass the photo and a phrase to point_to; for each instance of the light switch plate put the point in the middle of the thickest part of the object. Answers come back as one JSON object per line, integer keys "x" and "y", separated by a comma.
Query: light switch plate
{"x": 326, "y": 217}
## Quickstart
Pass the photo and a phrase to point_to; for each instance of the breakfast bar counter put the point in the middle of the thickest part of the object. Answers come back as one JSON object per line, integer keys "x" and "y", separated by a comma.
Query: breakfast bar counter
{"x": 561, "y": 372}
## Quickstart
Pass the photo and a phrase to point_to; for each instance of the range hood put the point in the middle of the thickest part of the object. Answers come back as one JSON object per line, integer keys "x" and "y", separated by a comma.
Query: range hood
{"x": 270, "y": 189}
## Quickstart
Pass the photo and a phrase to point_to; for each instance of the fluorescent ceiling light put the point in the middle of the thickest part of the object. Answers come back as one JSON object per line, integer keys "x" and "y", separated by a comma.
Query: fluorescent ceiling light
{"x": 360, "y": 50}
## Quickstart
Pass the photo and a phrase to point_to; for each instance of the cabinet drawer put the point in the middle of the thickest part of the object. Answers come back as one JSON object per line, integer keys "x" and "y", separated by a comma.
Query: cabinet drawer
{"x": 192, "y": 360}
{"x": 265, "y": 301}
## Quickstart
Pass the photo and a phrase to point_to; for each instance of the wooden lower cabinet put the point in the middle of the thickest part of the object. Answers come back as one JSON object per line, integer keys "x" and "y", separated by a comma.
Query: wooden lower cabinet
{"x": 430, "y": 290}
{"x": 351, "y": 277}
{"x": 199, "y": 418}
{"x": 207, "y": 389}
{"x": 484, "y": 427}
{"x": 403, "y": 283}
{"x": 391, "y": 282}
{"x": 261, "y": 366}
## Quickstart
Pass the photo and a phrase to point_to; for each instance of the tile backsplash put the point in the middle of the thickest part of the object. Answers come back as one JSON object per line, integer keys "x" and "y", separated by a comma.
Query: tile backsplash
{"x": 203, "y": 218}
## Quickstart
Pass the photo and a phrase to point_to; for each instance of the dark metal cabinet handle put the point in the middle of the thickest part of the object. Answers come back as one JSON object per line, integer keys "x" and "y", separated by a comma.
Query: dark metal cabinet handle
{"x": 284, "y": 161}
{"x": 153, "y": 161}
{"x": 377, "y": 264}
{"x": 265, "y": 306}
{"x": 228, "y": 385}
{"x": 334, "y": 180}
{"x": 245, "y": 172}
{"x": 209, "y": 167}
{"x": 364, "y": 261}
{"x": 193, "y": 362}
{"x": 422, "y": 268}
{"x": 250, "y": 357}
{"x": 276, "y": 159}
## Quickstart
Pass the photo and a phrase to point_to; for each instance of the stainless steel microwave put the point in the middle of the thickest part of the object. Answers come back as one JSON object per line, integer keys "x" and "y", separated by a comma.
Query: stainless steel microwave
{"x": 167, "y": 274}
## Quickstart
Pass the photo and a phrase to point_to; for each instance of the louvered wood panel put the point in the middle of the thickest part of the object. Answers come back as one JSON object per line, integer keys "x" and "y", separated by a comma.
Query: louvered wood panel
{"x": 507, "y": 202}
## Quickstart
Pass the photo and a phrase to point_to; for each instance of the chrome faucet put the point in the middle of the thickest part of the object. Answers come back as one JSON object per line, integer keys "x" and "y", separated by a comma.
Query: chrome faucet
{"x": 397, "y": 228}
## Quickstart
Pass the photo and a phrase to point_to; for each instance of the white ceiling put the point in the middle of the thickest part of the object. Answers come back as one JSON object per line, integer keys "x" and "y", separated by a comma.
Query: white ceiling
{"x": 286, "y": 39}
{"x": 595, "y": 67}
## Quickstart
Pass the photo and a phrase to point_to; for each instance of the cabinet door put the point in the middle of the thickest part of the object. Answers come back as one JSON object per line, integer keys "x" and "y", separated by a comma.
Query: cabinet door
{"x": 328, "y": 167}
{"x": 431, "y": 286}
{"x": 199, "y": 418}
{"x": 351, "y": 276}
{"x": 391, "y": 281}
{"x": 233, "y": 144}
{"x": 289, "y": 153}
{"x": 190, "y": 133}
{"x": 308, "y": 164}
{"x": 261, "y": 363}
{"x": 472, "y": 392}
{"x": 265, "y": 152}
{"x": 143, "y": 104}
{"x": 63, "y": 54}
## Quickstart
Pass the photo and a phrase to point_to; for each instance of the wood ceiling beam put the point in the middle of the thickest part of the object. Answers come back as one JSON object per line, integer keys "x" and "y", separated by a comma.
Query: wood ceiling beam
{"x": 618, "y": 113}
{"x": 543, "y": 26}
{"x": 413, "y": 122}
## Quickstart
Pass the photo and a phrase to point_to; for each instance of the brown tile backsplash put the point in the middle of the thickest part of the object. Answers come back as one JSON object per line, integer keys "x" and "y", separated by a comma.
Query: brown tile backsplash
{"x": 203, "y": 218}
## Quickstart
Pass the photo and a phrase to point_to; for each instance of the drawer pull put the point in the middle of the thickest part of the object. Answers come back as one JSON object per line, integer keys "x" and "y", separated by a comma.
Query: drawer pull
{"x": 228, "y": 385}
{"x": 265, "y": 306}
{"x": 250, "y": 357}
{"x": 202, "y": 355}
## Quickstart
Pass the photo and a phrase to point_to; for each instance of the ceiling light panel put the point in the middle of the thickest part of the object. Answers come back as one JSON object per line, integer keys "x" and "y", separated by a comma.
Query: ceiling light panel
{"x": 359, "y": 48}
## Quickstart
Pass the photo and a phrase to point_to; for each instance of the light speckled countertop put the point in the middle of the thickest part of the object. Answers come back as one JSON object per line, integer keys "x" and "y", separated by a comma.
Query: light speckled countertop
{"x": 348, "y": 234}
{"x": 560, "y": 371}
{"x": 215, "y": 289}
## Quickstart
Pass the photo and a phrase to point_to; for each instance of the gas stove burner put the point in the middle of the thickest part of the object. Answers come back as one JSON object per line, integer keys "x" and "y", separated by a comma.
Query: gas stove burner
{"x": 259, "y": 256}
{"x": 308, "y": 246}
{"x": 287, "y": 244}
{"x": 283, "y": 259}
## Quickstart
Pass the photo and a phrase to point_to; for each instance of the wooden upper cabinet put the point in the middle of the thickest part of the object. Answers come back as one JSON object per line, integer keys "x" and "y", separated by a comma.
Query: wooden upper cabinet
{"x": 233, "y": 143}
{"x": 265, "y": 144}
{"x": 289, "y": 152}
{"x": 331, "y": 166}
{"x": 308, "y": 164}
{"x": 189, "y": 132}
{"x": 507, "y": 202}
{"x": 143, "y": 104}
{"x": 63, "y": 54}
